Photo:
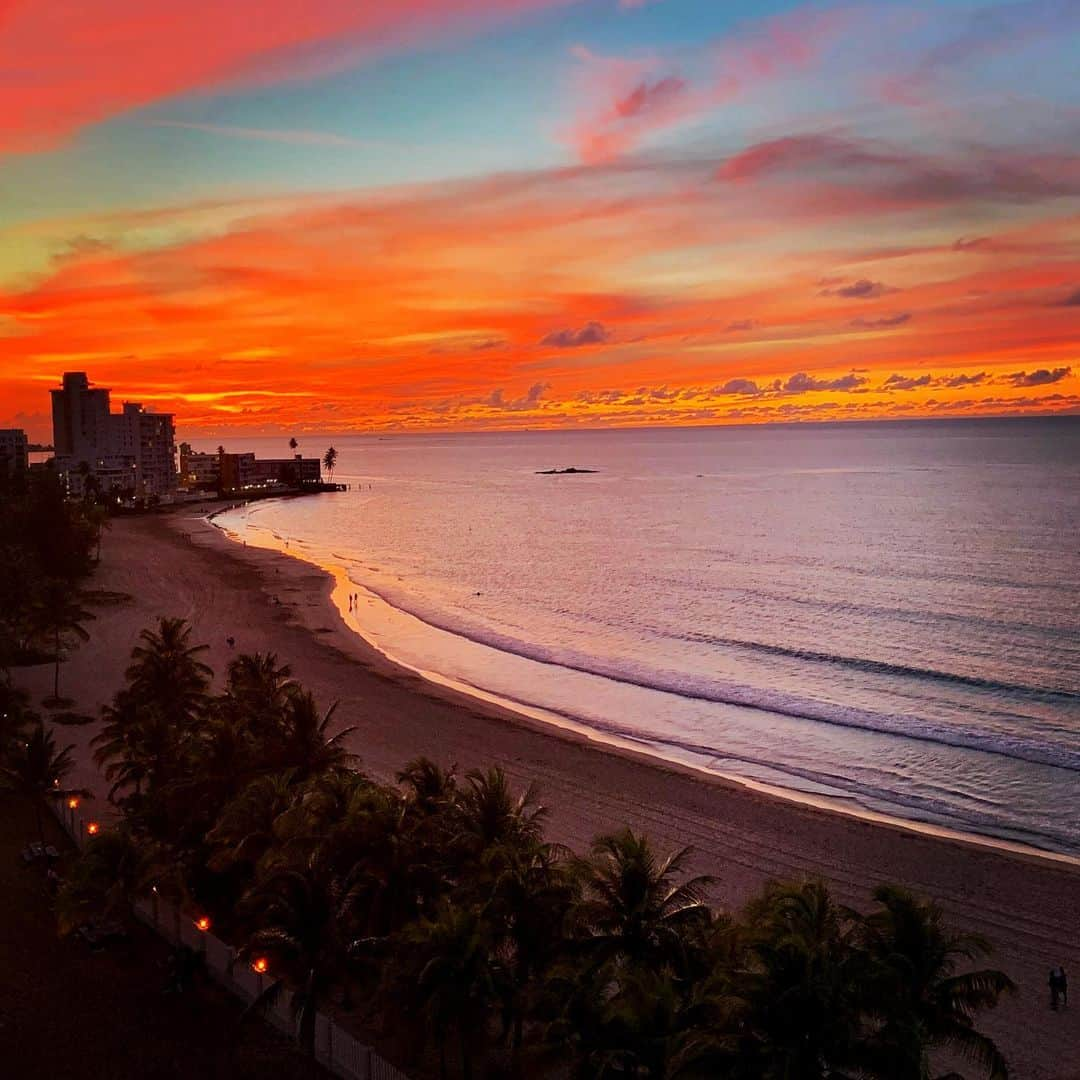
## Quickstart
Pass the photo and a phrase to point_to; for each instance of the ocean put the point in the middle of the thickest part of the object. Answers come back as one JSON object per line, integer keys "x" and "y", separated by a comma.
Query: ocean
{"x": 883, "y": 615}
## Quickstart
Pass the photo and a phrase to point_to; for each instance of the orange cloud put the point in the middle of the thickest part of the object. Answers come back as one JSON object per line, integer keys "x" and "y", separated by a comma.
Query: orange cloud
{"x": 488, "y": 303}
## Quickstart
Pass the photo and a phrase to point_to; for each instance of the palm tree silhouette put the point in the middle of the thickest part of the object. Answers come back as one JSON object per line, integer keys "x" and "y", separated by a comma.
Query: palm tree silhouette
{"x": 491, "y": 815}
{"x": 104, "y": 881}
{"x": 920, "y": 999}
{"x": 245, "y": 829}
{"x": 305, "y": 740}
{"x": 457, "y": 982}
{"x": 257, "y": 694}
{"x": 60, "y": 613}
{"x": 37, "y": 770}
{"x": 330, "y": 462}
{"x": 298, "y": 469}
{"x": 801, "y": 984}
{"x": 167, "y": 674}
{"x": 634, "y": 904}
{"x": 306, "y": 915}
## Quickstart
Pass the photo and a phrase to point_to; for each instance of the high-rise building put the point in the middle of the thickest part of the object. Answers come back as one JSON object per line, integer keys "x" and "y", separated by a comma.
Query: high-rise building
{"x": 131, "y": 452}
{"x": 14, "y": 453}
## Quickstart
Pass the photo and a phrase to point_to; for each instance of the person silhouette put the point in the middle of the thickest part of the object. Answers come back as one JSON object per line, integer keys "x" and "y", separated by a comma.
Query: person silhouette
{"x": 1059, "y": 987}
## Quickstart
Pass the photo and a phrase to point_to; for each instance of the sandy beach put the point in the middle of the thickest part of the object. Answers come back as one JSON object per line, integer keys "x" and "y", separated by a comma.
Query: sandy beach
{"x": 179, "y": 565}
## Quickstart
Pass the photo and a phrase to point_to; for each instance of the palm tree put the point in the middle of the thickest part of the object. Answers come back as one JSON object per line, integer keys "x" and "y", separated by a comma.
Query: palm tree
{"x": 305, "y": 743}
{"x": 60, "y": 613}
{"x": 122, "y": 746}
{"x": 491, "y": 815}
{"x": 97, "y": 517}
{"x": 429, "y": 787}
{"x": 634, "y": 906}
{"x": 648, "y": 1023}
{"x": 167, "y": 674}
{"x": 305, "y": 913}
{"x": 330, "y": 462}
{"x": 258, "y": 693}
{"x": 216, "y": 763}
{"x": 456, "y": 981}
{"x": 920, "y": 1000}
{"x": 801, "y": 984}
{"x": 532, "y": 894}
{"x": 104, "y": 881}
{"x": 36, "y": 769}
{"x": 244, "y": 831}
{"x": 372, "y": 844}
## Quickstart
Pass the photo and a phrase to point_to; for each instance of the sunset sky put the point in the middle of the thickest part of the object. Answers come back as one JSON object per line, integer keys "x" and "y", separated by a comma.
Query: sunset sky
{"x": 340, "y": 216}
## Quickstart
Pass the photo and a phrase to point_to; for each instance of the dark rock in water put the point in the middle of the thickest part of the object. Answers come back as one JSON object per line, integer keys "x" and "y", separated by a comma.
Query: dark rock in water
{"x": 561, "y": 472}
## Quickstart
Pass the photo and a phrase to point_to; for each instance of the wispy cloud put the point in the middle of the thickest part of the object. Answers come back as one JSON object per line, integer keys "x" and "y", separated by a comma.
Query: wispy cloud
{"x": 626, "y": 99}
{"x": 883, "y": 322}
{"x": 292, "y": 136}
{"x": 982, "y": 32}
{"x": 105, "y": 58}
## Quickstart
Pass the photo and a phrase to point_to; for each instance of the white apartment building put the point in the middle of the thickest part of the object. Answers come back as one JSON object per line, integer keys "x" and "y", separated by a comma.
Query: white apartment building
{"x": 132, "y": 451}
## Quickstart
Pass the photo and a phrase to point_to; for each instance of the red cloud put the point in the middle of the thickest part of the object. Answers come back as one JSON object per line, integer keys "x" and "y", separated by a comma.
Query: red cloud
{"x": 69, "y": 65}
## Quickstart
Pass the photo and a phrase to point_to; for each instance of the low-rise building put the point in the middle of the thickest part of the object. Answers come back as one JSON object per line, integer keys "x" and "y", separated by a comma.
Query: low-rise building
{"x": 14, "y": 452}
{"x": 292, "y": 470}
{"x": 238, "y": 471}
{"x": 226, "y": 472}
{"x": 198, "y": 469}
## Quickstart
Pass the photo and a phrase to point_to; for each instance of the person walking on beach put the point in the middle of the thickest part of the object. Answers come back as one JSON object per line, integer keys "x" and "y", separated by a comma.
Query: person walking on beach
{"x": 1059, "y": 987}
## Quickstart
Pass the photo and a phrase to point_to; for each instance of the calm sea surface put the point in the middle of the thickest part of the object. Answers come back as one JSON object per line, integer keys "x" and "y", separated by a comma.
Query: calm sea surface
{"x": 882, "y": 613}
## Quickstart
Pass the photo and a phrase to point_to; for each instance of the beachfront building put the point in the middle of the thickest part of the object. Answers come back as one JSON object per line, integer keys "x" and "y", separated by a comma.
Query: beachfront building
{"x": 199, "y": 470}
{"x": 14, "y": 452}
{"x": 288, "y": 470}
{"x": 237, "y": 471}
{"x": 131, "y": 452}
{"x": 241, "y": 472}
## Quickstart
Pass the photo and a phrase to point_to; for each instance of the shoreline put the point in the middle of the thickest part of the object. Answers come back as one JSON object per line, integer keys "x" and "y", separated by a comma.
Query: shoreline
{"x": 180, "y": 565}
{"x": 518, "y": 712}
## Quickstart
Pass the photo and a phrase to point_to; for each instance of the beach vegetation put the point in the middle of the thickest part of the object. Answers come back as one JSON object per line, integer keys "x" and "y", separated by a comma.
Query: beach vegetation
{"x": 435, "y": 910}
{"x": 34, "y": 767}
{"x": 48, "y": 546}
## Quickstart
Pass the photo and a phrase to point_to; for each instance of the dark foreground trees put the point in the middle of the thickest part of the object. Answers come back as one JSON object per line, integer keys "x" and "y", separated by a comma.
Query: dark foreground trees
{"x": 47, "y": 545}
{"x": 437, "y": 909}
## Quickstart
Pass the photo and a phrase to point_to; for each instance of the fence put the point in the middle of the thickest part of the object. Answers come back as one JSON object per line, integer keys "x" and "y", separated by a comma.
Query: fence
{"x": 335, "y": 1048}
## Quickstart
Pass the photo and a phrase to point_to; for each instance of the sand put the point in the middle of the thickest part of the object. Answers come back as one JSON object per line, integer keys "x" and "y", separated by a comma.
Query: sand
{"x": 179, "y": 565}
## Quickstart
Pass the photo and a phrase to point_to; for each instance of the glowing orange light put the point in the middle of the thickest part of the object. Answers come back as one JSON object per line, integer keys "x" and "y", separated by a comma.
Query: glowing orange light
{"x": 72, "y": 803}
{"x": 260, "y": 966}
{"x": 202, "y": 923}
{"x": 93, "y": 828}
